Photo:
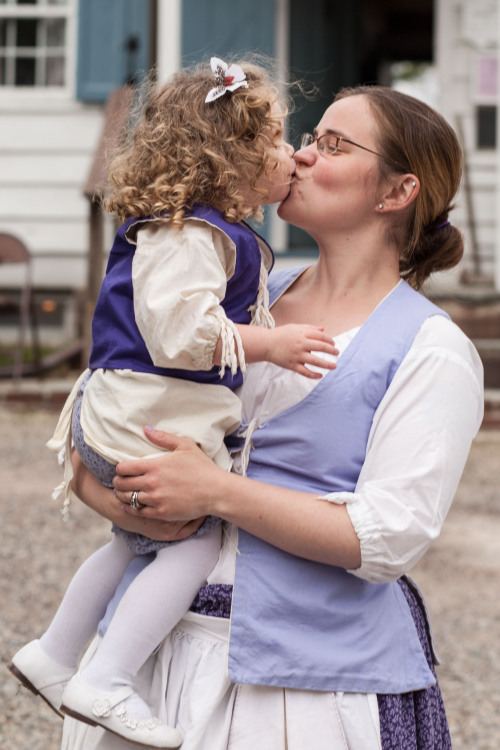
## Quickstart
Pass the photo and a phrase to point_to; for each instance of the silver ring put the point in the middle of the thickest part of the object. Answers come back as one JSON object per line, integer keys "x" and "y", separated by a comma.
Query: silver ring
{"x": 134, "y": 503}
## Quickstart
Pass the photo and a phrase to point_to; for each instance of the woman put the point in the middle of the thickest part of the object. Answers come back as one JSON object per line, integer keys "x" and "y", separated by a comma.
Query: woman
{"x": 349, "y": 478}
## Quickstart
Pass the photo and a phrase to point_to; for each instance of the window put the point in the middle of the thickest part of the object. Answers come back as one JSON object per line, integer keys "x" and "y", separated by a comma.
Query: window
{"x": 33, "y": 42}
{"x": 486, "y": 126}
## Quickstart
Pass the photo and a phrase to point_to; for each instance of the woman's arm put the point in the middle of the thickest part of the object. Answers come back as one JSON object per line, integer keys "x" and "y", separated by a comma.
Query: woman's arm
{"x": 90, "y": 491}
{"x": 416, "y": 453}
{"x": 197, "y": 261}
{"x": 185, "y": 484}
{"x": 417, "y": 449}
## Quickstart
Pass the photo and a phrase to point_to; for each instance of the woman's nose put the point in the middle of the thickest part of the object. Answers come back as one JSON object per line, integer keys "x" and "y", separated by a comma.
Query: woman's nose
{"x": 306, "y": 155}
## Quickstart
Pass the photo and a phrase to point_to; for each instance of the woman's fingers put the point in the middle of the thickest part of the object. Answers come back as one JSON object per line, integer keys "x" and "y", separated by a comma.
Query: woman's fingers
{"x": 169, "y": 486}
{"x": 165, "y": 439}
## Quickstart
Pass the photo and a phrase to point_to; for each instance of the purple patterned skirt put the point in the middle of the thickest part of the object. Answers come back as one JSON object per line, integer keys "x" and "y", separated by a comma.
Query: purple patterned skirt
{"x": 408, "y": 721}
{"x": 417, "y": 720}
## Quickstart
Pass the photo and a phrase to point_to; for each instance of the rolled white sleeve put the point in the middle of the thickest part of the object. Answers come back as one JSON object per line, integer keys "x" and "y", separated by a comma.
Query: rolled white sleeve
{"x": 417, "y": 449}
{"x": 179, "y": 279}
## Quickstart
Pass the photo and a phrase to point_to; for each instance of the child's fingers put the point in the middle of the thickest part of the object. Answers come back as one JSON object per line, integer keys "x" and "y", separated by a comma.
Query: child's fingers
{"x": 320, "y": 338}
{"x": 314, "y": 367}
{"x": 328, "y": 347}
{"x": 325, "y": 364}
{"x": 318, "y": 346}
{"x": 312, "y": 374}
{"x": 315, "y": 361}
{"x": 318, "y": 333}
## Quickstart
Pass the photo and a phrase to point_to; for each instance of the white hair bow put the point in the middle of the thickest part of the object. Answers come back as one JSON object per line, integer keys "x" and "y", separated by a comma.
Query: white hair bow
{"x": 227, "y": 79}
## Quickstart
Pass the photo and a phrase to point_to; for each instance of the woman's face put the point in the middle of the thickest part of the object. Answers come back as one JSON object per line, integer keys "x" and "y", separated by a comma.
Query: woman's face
{"x": 336, "y": 191}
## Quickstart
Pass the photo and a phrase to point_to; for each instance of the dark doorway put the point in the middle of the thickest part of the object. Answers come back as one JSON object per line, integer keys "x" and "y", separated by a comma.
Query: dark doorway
{"x": 335, "y": 43}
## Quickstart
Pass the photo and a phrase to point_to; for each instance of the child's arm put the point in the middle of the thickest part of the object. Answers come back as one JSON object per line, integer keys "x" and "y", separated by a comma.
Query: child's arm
{"x": 179, "y": 281}
{"x": 288, "y": 346}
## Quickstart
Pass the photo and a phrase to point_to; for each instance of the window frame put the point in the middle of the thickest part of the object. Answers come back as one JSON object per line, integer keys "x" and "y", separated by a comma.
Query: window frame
{"x": 38, "y": 92}
{"x": 486, "y": 117}
{"x": 485, "y": 101}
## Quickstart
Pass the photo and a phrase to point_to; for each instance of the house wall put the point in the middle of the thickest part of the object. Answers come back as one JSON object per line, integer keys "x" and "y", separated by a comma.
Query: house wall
{"x": 47, "y": 142}
{"x": 467, "y": 34}
{"x": 48, "y": 136}
{"x": 46, "y": 149}
{"x": 48, "y": 139}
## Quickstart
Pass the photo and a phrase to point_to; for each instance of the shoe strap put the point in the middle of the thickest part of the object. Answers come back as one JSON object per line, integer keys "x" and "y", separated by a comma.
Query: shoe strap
{"x": 118, "y": 696}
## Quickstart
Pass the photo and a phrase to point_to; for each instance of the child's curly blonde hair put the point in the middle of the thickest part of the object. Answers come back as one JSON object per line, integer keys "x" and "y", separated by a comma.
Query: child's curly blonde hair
{"x": 183, "y": 151}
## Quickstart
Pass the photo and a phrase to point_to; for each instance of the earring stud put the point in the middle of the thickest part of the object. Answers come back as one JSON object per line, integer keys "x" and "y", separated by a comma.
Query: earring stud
{"x": 381, "y": 205}
{"x": 414, "y": 184}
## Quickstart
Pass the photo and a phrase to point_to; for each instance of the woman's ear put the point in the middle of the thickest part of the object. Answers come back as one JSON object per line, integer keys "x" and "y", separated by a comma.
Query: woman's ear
{"x": 402, "y": 192}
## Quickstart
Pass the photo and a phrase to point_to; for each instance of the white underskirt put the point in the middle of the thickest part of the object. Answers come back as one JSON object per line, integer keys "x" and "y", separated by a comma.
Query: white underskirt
{"x": 215, "y": 714}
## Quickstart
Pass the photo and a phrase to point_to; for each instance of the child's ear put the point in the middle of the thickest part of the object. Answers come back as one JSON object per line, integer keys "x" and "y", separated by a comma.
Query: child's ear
{"x": 402, "y": 192}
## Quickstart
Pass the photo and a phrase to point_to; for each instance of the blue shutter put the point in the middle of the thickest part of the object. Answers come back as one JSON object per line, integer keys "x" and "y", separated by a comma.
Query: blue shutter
{"x": 228, "y": 28}
{"x": 113, "y": 45}
{"x": 225, "y": 28}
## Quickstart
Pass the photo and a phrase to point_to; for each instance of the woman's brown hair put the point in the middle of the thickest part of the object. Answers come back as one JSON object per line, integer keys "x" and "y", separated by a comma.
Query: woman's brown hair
{"x": 182, "y": 150}
{"x": 414, "y": 138}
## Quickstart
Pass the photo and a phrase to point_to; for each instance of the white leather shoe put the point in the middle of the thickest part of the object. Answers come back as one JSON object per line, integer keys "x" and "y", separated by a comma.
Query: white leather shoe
{"x": 98, "y": 708}
{"x": 41, "y": 674}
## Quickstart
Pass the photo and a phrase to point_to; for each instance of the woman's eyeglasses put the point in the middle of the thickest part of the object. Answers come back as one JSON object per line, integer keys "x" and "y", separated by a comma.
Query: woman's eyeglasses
{"x": 328, "y": 144}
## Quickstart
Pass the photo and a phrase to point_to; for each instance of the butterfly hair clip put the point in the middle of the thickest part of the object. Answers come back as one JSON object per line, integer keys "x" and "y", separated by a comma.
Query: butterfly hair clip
{"x": 227, "y": 79}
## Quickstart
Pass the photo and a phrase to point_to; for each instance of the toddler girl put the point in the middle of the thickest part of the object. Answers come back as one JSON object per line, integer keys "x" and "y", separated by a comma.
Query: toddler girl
{"x": 182, "y": 306}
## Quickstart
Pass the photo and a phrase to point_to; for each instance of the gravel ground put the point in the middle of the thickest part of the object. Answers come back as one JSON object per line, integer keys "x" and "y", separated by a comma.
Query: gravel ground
{"x": 460, "y": 576}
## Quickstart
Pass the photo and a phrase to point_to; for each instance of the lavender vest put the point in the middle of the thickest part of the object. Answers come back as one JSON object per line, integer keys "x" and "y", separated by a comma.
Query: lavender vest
{"x": 116, "y": 339}
{"x": 301, "y": 624}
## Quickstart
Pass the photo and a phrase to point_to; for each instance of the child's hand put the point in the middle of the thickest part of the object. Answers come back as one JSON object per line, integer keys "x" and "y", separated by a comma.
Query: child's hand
{"x": 291, "y": 346}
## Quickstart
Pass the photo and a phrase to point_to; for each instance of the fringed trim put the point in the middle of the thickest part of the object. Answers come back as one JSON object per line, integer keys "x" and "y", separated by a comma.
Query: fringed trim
{"x": 64, "y": 488}
{"x": 260, "y": 310}
{"x": 60, "y": 443}
{"x": 233, "y": 355}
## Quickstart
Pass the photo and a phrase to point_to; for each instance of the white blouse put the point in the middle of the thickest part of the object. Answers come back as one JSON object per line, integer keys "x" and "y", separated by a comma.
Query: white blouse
{"x": 417, "y": 447}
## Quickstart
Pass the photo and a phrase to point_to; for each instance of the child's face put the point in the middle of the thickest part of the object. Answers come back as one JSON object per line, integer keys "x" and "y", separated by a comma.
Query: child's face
{"x": 278, "y": 179}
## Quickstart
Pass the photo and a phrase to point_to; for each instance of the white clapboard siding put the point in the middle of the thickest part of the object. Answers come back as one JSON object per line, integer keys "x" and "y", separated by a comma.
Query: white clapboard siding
{"x": 49, "y": 272}
{"x": 46, "y": 152}
{"x": 458, "y": 48}
{"x": 54, "y": 274}
{"x": 76, "y": 130}
{"x": 47, "y": 203}
{"x": 22, "y": 169}
{"x": 41, "y": 239}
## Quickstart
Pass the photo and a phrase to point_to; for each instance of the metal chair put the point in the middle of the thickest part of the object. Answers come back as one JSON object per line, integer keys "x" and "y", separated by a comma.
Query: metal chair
{"x": 13, "y": 250}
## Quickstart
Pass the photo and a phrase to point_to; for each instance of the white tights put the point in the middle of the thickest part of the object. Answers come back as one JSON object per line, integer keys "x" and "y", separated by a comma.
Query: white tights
{"x": 153, "y": 603}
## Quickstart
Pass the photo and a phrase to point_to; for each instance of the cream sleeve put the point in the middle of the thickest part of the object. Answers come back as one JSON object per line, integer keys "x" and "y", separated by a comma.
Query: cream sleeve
{"x": 179, "y": 280}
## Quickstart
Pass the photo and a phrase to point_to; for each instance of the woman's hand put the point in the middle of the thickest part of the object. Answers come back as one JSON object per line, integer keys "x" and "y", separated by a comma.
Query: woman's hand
{"x": 177, "y": 486}
{"x": 184, "y": 484}
{"x": 104, "y": 501}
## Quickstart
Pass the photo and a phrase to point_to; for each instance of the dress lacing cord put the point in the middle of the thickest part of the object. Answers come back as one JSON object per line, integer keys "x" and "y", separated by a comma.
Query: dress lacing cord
{"x": 246, "y": 431}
